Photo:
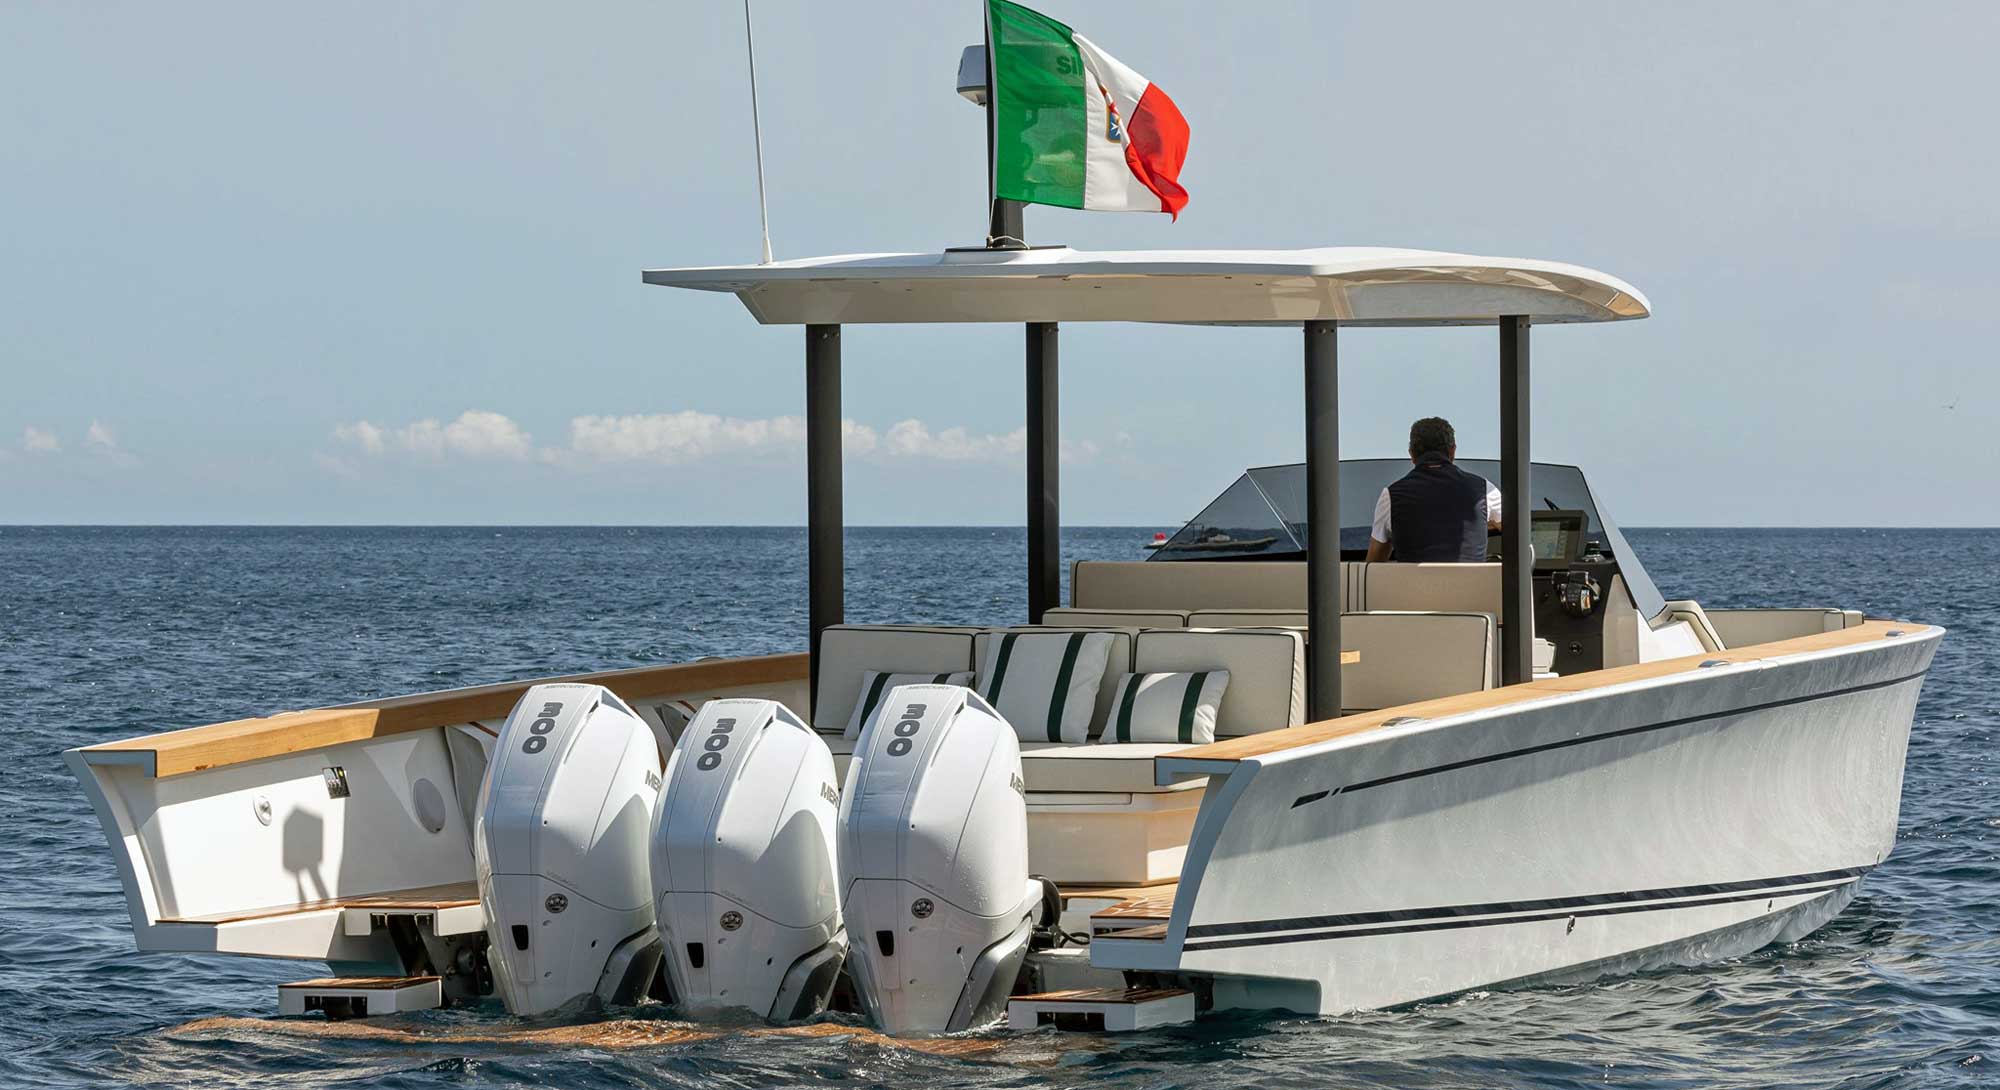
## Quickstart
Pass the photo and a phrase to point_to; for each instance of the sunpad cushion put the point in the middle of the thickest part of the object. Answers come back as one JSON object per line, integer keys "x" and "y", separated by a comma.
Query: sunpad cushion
{"x": 1167, "y": 707}
{"x": 875, "y": 684}
{"x": 1045, "y": 683}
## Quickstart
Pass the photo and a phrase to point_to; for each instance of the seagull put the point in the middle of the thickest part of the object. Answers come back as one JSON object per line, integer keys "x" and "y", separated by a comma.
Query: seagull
{"x": 1952, "y": 406}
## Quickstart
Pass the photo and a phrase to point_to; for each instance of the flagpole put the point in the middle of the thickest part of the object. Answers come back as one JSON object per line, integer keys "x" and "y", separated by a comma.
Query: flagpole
{"x": 757, "y": 131}
{"x": 1004, "y": 230}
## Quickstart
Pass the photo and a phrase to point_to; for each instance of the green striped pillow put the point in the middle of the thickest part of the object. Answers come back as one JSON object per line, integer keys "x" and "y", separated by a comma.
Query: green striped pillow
{"x": 1166, "y": 708}
{"x": 1044, "y": 684}
{"x": 876, "y": 684}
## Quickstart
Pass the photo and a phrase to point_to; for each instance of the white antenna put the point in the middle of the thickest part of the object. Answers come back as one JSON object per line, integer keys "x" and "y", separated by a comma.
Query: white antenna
{"x": 756, "y": 128}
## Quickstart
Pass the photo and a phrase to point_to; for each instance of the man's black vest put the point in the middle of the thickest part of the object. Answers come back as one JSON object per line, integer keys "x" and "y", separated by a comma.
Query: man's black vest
{"x": 1437, "y": 513}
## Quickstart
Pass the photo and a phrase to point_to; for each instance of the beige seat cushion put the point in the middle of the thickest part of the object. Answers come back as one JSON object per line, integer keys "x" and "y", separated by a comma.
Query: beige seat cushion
{"x": 1125, "y": 767}
{"x": 849, "y": 650}
{"x": 1407, "y": 657}
{"x": 1116, "y": 618}
{"x": 1267, "y": 672}
{"x": 1119, "y": 664}
{"x": 1200, "y": 584}
{"x": 1247, "y": 618}
{"x": 1449, "y": 588}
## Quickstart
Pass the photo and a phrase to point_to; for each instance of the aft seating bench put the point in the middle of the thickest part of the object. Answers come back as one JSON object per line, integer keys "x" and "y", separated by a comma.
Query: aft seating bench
{"x": 1096, "y": 814}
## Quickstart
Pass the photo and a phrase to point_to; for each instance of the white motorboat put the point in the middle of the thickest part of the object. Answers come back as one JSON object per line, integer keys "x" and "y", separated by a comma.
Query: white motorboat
{"x": 1425, "y": 778}
{"x": 1253, "y": 770}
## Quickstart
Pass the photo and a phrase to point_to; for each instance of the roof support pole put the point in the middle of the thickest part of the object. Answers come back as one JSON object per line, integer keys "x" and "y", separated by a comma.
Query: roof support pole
{"x": 1517, "y": 562}
{"x": 1322, "y": 520}
{"x": 1044, "y": 461}
{"x": 826, "y": 574}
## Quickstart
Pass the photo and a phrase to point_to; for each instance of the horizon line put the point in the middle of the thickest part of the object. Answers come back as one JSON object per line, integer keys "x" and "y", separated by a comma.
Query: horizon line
{"x": 1142, "y": 527}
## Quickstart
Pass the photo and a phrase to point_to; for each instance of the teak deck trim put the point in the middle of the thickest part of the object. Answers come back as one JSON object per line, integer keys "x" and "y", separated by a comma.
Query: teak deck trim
{"x": 1277, "y": 741}
{"x": 422, "y": 899}
{"x": 217, "y": 745}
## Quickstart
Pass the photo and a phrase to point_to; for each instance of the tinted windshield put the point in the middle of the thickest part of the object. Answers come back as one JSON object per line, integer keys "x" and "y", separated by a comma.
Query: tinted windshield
{"x": 1263, "y": 515}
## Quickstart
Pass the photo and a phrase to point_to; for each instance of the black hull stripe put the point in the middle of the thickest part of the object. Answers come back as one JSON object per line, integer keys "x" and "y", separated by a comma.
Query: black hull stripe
{"x": 1588, "y": 738}
{"x": 1756, "y": 886}
{"x": 1808, "y": 893}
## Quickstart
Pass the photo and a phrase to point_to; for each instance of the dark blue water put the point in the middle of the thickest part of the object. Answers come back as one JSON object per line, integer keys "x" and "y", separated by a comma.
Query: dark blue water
{"x": 106, "y": 633}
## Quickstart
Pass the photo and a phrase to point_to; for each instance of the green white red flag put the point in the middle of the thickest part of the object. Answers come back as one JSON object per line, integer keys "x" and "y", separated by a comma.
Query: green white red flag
{"x": 1074, "y": 128}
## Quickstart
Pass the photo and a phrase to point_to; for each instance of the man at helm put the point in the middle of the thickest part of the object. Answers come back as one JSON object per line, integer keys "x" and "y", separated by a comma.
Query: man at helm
{"x": 1437, "y": 512}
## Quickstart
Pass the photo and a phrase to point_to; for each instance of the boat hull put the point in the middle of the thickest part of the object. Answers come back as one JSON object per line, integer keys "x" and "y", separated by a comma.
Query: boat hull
{"x": 1682, "y": 818}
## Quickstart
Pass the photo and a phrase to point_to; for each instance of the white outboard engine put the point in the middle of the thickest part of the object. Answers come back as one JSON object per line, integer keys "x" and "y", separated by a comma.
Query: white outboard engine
{"x": 561, "y": 850}
{"x": 934, "y": 855}
{"x": 744, "y": 878}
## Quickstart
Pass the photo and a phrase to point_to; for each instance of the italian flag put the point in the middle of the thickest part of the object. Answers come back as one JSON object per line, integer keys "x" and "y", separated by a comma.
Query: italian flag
{"x": 1074, "y": 128}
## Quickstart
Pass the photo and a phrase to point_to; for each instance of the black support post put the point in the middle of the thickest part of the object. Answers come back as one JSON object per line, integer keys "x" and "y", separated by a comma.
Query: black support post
{"x": 1044, "y": 485}
{"x": 826, "y": 574}
{"x": 1323, "y": 519}
{"x": 1517, "y": 505}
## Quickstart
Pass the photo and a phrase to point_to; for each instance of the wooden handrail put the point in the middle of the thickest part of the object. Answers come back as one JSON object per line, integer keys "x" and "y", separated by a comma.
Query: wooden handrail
{"x": 1275, "y": 741}
{"x": 177, "y": 752}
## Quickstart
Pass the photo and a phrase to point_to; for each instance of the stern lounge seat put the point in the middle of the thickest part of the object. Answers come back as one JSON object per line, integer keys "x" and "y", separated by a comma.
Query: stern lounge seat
{"x": 849, "y": 650}
{"x": 1095, "y": 814}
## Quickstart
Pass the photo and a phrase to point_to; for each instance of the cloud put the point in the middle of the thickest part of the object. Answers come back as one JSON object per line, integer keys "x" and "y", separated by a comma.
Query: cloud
{"x": 476, "y": 434}
{"x": 362, "y": 434}
{"x": 674, "y": 438}
{"x": 912, "y": 439}
{"x": 678, "y": 438}
{"x": 36, "y": 441}
{"x": 102, "y": 442}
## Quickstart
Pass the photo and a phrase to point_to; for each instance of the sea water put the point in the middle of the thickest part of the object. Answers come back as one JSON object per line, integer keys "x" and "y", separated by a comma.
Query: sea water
{"x": 111, "y": 632}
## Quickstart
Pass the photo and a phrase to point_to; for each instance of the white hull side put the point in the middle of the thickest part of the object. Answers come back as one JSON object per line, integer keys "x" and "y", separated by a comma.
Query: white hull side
{"x": 1683, "y": 818}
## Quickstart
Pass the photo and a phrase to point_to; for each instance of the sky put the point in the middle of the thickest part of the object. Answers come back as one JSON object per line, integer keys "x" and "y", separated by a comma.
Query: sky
{"x": 291, "y": 263}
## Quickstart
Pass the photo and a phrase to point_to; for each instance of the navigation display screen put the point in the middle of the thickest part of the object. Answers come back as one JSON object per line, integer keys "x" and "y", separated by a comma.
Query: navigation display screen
{"x": 1557, "y": 537}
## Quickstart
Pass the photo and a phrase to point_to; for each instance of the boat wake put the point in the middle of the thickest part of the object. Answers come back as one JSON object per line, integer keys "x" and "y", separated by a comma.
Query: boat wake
{"x": 615, "y": 1033}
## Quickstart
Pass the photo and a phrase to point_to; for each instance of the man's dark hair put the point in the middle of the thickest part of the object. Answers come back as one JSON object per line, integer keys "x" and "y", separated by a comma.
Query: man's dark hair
{"x": 1432, "y": 435}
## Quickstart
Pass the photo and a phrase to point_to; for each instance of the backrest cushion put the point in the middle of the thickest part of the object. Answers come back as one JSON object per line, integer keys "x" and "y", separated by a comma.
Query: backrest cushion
{"x": 877, "y": 683}
{"x": 1117, "y": 664}
{"x": 1247, "y": 618}
{"x": 1450, "y": 588}
{"x": 1267, "y": 672}
{"x": 847, "y": 651}
{"x": 1205, "y": 584}
{"x": 1045, "y": 683}
{"x": 1407, "y": 657}
{"x": 1167, "y": 707}
{"x": 1126, "y": 618}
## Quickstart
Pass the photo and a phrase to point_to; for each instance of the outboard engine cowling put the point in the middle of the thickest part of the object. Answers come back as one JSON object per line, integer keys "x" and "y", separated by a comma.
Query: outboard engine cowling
{"x": 560, "y": 845}
{"x": 934, "y": 857}
{"x": 744, "y": 878}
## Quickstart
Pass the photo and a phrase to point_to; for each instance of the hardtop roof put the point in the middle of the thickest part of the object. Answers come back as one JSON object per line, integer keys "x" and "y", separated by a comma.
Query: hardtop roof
{"x": 1359, "y": 285}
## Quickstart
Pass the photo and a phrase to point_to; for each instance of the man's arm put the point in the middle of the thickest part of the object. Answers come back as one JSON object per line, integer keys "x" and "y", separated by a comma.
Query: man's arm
{"x": 1492, "y": 507}
{"x": 1378, "y": 534}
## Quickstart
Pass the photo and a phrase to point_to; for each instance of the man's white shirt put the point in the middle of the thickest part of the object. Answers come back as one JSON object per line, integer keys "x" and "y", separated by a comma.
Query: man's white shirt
{"x": 1489, "y": 512}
